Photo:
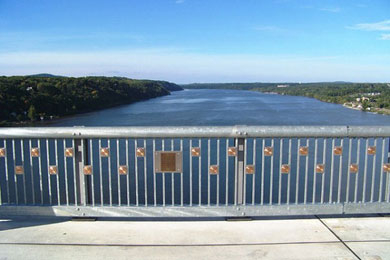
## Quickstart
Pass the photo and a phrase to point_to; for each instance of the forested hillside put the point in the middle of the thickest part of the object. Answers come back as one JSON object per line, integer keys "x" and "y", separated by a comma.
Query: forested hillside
{"x": 32, "y": 97}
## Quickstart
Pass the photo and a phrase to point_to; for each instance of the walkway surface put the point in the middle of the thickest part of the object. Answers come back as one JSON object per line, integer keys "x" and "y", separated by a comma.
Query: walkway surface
{"x": 364, "y": 237}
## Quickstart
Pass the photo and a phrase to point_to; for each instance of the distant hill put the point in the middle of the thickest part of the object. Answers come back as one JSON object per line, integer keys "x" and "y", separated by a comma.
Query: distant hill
{"x": 241, "y": 86}
{"x": 44, "y": 75}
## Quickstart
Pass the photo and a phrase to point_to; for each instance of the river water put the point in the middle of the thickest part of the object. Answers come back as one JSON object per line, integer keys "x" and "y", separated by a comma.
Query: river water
{"x": 225, "y": 107}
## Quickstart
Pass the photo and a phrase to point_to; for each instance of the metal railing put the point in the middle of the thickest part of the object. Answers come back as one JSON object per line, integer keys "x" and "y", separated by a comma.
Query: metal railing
{"x": 194, "y": 171}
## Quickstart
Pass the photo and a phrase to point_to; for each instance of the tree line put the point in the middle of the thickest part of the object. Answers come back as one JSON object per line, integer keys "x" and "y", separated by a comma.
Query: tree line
{"x": 31, "y": 98}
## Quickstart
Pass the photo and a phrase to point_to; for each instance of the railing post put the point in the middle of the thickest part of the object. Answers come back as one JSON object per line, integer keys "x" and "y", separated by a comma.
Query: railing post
{"x": 83, "y": 182}
{"x": 240, "y": 171}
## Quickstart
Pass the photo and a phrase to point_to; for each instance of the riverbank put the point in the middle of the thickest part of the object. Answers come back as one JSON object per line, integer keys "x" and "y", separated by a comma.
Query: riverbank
{"x": 29, "y": 100}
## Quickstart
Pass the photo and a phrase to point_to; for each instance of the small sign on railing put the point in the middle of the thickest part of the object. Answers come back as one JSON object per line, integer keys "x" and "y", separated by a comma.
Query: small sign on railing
{"x": 171, "y": 161}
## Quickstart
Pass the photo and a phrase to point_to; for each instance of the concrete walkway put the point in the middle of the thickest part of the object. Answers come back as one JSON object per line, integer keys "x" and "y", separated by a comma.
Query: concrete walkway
{"x": 309, "y": 238}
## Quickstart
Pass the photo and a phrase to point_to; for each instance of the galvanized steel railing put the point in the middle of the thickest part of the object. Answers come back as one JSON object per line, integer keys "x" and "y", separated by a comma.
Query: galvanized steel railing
{"x": 194, "y": 171}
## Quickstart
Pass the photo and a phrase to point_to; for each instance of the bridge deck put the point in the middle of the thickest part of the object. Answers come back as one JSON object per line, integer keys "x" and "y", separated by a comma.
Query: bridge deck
{"x": 276, "y": 238}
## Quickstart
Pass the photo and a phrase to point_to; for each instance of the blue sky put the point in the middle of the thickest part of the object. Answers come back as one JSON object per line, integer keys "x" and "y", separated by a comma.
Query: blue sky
{"x": 197, "y": 40}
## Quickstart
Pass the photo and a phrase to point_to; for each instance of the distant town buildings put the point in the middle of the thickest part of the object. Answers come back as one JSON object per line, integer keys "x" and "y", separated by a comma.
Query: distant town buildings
{"x": 282, "y": 86}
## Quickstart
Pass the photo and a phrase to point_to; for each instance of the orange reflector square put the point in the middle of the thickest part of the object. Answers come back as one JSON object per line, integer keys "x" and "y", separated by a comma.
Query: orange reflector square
{"x": 68, "y": 152}
{"x": 53, "y": 170}
{"x": 320, "y": 168}
{"x": 195, "y": 151}
{"x": 268, "y": 151}
{"x": 285, "y": 168}
{"x": 338, "y": 150}
{"x": 303, "y": 151}
{"x": 122, "y": 170}
{"x": 214, "y": 169}
{"x": 105, "y": 152}
{"x": 34, "y": 152}
{"x": 87, "y": 170}
{"x": 140, "y": 152}
{"x": 250, "y": 169}
{"x": 371, "y": 150}
{"x": 353, "y": 168}
{"x": 2, "y": 152}
{"x": 232, "y": 151}
{"x": 386, "y": 167}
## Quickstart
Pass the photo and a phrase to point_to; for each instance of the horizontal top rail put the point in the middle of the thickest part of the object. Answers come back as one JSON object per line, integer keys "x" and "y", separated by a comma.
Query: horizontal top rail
{"x": 195, "y": 132}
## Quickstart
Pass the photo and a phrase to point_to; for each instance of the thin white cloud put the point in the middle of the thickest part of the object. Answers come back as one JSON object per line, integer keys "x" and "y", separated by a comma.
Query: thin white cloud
{"x": 385, "y": 37}
{"x": 379, "y": 26}
{"x": 268, "y": 28}
{"x": 183, "y": 66}
{"x": 179, "y": 1}
{"x": 331, "y": 10}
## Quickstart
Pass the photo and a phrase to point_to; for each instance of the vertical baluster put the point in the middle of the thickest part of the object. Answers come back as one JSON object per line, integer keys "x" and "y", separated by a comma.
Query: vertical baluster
{"x": 48, "y": 174}
{"x": 31, "y": 171}
{"x": 101, "y": 173}
{"x": 365, "y": 171}
{"x": 91, "y": 159}
{"x": 136, "y": 172}
{"x": 58, "y": 172}
{"x": 66, "y": 174}
{"x": 306, "y": 172}
{"x": 172, "y": 177}
{"x": 163, "y": 149}
{"x": 323, "y": 174}
{"x": 262, "y": 171}
{"x": 208, "y": 171}
{"x": 117, "y": 173}
{"x": 181, "y": 176}
{"x": 298, "y": 171}
{"x": 382, "y": 171}
{"x": 254, "y": 174}
{"x": 315, "y": 171}
{"x": 289, "y": 175}
{"x": 6, "y": 146}
{"x": 245, "y": 163}
{"x": 227, "y": 173}
{"x": 109, "y": 171}
{"x": 357, "y": 174}
{"x": 348, "y": 171}
{"x": 340, "y": 172}
{"x": 388, "y": 177}
{"x": 74, "y": 172}
{"x": 272, "y": 174}
{"x": 280, "y": 171}
{"x": 200, "y": 173}
{"x": 191, "y": 158}
{"x": 154, "y": 175}
{"x": 331, "y": 172}
{"x": 235, "y": 170}
{"x": 145, "y": 175}
{"x": 373, "y": 171}
{"x": 128, "y": 171}
{"x": 218, "y": 143}
{"x": 83, "y": 162}
{"x": 15, "y": 175}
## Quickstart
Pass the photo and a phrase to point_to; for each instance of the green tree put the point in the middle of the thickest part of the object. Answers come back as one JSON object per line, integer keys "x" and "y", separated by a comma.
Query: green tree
{"x": 32, "y": 113}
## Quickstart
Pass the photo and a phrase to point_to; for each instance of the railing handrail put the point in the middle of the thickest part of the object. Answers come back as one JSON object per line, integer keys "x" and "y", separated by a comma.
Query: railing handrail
{"x": 238, "y": 131}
